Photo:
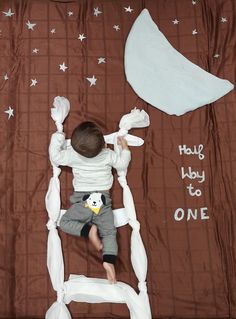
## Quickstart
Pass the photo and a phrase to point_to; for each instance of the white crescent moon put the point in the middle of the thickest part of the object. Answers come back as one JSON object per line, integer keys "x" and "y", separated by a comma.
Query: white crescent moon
{"x": 162, "y": 76}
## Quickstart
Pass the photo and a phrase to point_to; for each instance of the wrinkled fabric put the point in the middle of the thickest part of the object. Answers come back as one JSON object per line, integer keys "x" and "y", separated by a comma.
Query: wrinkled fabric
{"x": 191, "y": 259}
{"x": 162, "y": 76}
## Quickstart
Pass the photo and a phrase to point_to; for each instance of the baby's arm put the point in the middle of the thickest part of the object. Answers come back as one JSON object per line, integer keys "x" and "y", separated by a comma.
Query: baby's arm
{"x": 57, "y": 155}
{"x": 121, "y": 161}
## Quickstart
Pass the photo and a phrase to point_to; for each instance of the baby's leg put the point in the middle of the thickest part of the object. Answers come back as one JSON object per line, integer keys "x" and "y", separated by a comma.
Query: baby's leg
{"x": 109, "y": 253}
{"x": 107, "y": 231}
{"x": 77, "y": 220}
{"x": 94, "y": 238}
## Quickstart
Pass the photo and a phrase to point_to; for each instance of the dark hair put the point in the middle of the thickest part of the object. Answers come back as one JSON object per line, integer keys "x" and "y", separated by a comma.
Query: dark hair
{"x": 87, "y": 139}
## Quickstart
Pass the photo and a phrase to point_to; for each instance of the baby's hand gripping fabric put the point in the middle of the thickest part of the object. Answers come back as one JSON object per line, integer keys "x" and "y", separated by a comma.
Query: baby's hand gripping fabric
{"x": 60, "y": 110}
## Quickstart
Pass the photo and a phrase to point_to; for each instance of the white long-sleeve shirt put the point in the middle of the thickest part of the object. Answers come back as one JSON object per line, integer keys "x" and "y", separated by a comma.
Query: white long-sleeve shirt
{"x": 90, "y": 174}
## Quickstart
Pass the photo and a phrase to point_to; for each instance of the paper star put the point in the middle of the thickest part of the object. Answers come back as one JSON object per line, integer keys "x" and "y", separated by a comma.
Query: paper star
{"x": 216, "y": 56}
{"x": 194, "y": 32}
{"x": 128, "y": 9}
{"x": 70, "y": 13}
{"x": 9, "y": 112}
{"x": 35, "y": 50}
{"x": 116, "y": 27}
{"x": 9, "y": 13}
{"x": 175, "y": 21}
{"x": 53, "y": 31}
{"x": 223, "y": 19}
{"x": 6, "y": 77}
{"x": 63, "y": 67}
{"x": 33, "y": 82}
{"x": 101, "y": 60}
{"x": 96, "y": 11}
{"x": 30, "y": 25}
{"x": 81, "y": 37}
{"x": 194, "y": 2}
{"x": 92, "y": 80}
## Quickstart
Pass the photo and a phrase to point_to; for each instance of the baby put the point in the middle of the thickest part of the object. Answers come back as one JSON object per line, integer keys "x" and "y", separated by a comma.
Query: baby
{"x": 91, "y": 212}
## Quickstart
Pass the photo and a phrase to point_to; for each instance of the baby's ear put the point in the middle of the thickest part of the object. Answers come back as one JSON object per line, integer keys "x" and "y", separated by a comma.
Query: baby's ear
{"x": 103, "y": 198}
{"x": 86, "y": 196}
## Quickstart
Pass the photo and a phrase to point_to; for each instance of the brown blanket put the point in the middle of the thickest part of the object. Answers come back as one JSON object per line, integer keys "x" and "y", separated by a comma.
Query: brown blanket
{"x": 183, "y": 178}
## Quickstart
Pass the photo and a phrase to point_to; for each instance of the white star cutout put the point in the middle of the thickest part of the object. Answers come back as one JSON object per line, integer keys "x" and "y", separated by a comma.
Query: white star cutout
{"x": 70, "y": 13}
{"x": 63, "y": 67}
{"x": 175, "y": 21}
{"x": 9, "y": 13}
{"x": 194, "y": 32}
{"x": 96, "y": 11}
{"x": 35, "y": 50}
{"x": 9, "y": 112}
{"x": 223, "y": 19}
{"x": 81, "y": 37}
{"x": 128, "y": 9}
{"x": 101, "y": 60}
{"x": 194, "y": 2}
{"x": 216, "y": 56}
{"x": 53, "y": 31}
{"x": 33, "y": 82}
{"x": 6, "y": 77}
{"x": 30, "y": 25}
{"x": 92, "y": 80}
{"x": 116, "y": 27}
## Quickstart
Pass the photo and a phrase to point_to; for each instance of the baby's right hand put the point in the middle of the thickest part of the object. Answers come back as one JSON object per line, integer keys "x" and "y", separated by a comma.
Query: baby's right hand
{"x": 122, "y": 142}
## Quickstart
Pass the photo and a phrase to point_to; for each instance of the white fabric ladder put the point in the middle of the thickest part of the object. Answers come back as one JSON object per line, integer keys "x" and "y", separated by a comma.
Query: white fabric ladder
{"x": 93, "y": 290}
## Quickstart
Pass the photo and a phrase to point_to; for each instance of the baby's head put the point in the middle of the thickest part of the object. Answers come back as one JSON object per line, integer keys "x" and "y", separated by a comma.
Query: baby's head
{"x": 87, "y": 139}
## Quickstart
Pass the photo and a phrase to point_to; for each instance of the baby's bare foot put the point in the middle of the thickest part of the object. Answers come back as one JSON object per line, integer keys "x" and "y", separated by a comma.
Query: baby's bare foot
{"x": 110, "y": 270}
{"x": 94, "y": 238}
